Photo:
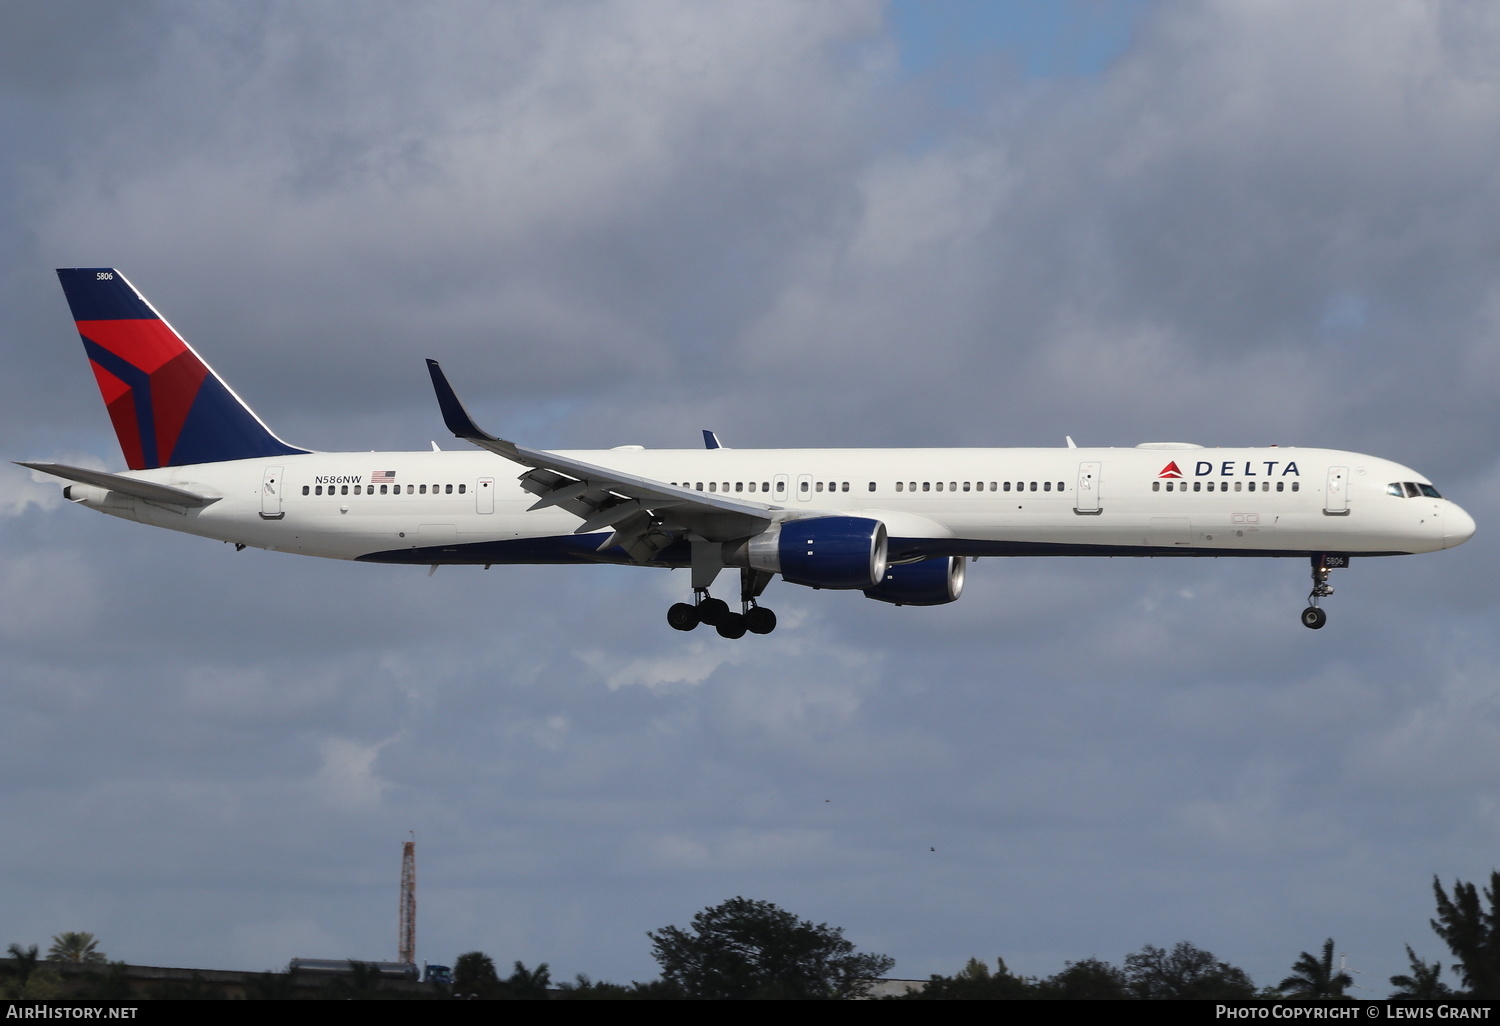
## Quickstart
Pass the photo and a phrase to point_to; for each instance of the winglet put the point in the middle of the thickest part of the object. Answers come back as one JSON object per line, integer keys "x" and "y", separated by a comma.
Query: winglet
{"x": 454, "y": 415}
{"x": 711, "y": 440}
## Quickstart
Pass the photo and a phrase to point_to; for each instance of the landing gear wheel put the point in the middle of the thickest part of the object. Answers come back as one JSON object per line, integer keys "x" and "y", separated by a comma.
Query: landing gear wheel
{"x": 1313, "y": 618}
{"x": 713, "y": 611}
{"x": 760, "y": 620}
{"x": 682, "y": 617}
{"x": 732, "y": 626}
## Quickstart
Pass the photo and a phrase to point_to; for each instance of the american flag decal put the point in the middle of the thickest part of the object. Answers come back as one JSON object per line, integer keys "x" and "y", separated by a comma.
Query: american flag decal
{"x": 382, "y": 476}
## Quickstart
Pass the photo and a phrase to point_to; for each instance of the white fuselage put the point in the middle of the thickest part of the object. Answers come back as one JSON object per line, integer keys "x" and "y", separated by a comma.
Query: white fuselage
{"x": 467, "y": 507}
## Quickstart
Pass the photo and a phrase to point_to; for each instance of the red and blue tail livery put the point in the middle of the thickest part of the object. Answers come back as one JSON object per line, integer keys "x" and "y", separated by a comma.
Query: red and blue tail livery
{"x": 168, "y": 407}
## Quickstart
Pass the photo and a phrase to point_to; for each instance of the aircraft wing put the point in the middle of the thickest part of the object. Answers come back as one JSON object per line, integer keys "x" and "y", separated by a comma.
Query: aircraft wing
{"x": 148, "y": 490}
{"x": 646, "y": 514}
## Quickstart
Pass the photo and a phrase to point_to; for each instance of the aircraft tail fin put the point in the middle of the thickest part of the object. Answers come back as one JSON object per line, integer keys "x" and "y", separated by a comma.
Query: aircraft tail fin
{"x": 168, "y": 407}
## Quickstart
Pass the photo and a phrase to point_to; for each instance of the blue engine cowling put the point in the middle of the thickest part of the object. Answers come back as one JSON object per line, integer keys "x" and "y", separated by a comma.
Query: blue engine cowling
{"x": 930, "y": 582}
{"x": 823, "y": 552}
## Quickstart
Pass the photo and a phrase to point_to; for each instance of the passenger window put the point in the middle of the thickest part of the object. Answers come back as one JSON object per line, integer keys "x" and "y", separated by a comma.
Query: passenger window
{"x": 953, "y": 486}
{"x": 1046, "y": 486}
{"x": 447, "y": 489}
{"x": 1296, "y": 486}
{"x": 912, "y": 486}
{"x": 1210, "y": 486}
{"x": 1156, "y": 486}
{"x": 872, "y": 486}
{"x": 305, "y": 489}
{"x": 818, "y": 487}
{"x": 713, "y": 486}
{"x": 966, "y": 486}
{"x": 845, "y": 487}
{"x": 462, "y": 488}
{"x": 1281, "y": 486}
{"x": 765, "y": 486}
{"x": 927, "y": 485}
{"x": 1007, "y": 486}
{"x": 1197, "y": 486}
{"x": 803, "y": 486}
{"x": 900, "y": 486}
{"x": 1237, "y": 485}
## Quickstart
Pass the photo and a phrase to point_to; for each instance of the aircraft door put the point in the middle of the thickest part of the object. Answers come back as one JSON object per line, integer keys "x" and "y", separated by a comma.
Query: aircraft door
{"x": 1336, "y": 494}
{"x": 780, "y": 493}
{"x": 270, "y": 494}
{"x": 804, "y": 487}
{"x": 484, "y": 495}
{"x": 1088, "y": 490}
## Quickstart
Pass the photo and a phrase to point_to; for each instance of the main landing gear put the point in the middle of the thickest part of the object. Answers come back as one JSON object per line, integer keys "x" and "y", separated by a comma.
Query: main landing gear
{"x": 1313, "y": 616}
{"x": 753, "y": 618}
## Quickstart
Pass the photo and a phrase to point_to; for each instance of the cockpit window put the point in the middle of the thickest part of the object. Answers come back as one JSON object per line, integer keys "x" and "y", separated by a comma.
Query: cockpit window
{"x": 1411, "y": 490}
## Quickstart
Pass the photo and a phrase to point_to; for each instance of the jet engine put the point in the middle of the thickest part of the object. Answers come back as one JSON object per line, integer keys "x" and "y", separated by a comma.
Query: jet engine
{"x": 929, "y": 582}
{"x": 823, "y": 552}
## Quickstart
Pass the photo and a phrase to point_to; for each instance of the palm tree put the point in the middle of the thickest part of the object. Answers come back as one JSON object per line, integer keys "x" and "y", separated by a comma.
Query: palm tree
{"x": 1472, "y": 933}
{"x": 25, "y": 960}
{"x": 1423, "y": 984}
{"x": 75, "y": 947}
{"x": 1314, "y": 977}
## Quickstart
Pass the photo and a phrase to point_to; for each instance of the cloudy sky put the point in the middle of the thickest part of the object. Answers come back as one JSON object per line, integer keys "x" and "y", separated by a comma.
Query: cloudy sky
{"x": 814, "y": 224}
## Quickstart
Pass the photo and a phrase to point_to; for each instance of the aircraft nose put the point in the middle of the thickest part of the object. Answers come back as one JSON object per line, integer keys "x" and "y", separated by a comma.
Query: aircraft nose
{"x": 1458, "y": 526}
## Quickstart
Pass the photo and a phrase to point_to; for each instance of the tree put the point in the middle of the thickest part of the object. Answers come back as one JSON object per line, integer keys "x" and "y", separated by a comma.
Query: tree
{"x": 75, "y": 947}
{"x": 753, "y": 949}
{"x": 1314, "y": 977}
{"x": 1424, "y": 983}
{"x": 474, "y": 976}
{"x": 1472, "y": 933}
{"x": 1087, "y": 980}
{"x": 1186, "y": 973}
{"x": 974, "y": 982}
{"x": 527, "y": 984}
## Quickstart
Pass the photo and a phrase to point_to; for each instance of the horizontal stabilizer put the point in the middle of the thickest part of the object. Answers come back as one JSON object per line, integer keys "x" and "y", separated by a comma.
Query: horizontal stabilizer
{"x": 148, "y": 490}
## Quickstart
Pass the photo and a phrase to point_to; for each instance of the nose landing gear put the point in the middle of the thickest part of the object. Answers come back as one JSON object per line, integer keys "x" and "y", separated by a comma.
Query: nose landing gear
{"x": 753, "y": 618}
{"x": 1313, "y": 617}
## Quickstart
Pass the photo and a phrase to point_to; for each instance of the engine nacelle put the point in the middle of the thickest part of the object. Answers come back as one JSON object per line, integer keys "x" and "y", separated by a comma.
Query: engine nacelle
{"x": 823, "y": 552}
{"x": 930, "y": 582}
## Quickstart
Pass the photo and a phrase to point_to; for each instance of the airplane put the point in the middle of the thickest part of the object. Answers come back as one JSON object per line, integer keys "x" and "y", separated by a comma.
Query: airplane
{"x": 895, "y": 524}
